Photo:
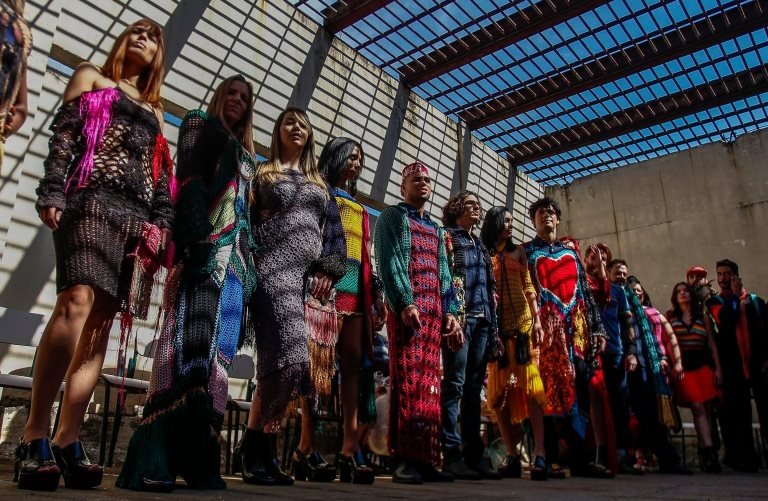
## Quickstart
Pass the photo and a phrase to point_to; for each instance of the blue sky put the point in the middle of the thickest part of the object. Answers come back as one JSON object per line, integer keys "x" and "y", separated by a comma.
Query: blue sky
{"x": 405, "y": 30}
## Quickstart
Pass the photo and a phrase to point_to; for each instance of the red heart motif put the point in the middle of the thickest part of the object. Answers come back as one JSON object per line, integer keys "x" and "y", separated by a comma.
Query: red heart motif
{"x": 560, "y": 276}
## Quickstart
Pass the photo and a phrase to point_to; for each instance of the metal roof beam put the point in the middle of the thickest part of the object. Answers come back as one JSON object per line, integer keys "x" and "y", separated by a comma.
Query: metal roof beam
{"x": 716, "y": 93}
{"x": 609, "y": 66}
{"x": 345, "y": 13}
{"x": 524, "y": 23}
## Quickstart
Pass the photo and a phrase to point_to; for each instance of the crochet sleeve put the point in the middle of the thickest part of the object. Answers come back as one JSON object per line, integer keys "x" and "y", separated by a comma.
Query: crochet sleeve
{"x": 192, "y": 223}
{"x": 333, "y": 256}
{"x": 457, "y": 280}
{"x": 392, "y": 244}
{"x": 162, "y": 209}
{"x": 447, "y": 290}
{"x": 67, "y": 128}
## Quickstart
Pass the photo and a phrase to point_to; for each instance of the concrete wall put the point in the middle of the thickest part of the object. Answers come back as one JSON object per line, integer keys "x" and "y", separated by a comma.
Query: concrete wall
{"x": 689, "y": 208}
{"x": 291, "y": 61}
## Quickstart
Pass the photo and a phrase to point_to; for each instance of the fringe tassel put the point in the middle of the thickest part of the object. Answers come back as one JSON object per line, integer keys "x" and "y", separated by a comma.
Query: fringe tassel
{"x": 534, "y": 387}
{"x": 322, "y": 324}
{"x": 322, "y": 360}
{"x": 126, "y": 328}
{"x": 668, "y": 415}
{"x": 96, "y": 111}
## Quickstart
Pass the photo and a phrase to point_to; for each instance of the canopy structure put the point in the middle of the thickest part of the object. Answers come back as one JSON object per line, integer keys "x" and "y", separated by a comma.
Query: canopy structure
{"x": 569, "y": 88}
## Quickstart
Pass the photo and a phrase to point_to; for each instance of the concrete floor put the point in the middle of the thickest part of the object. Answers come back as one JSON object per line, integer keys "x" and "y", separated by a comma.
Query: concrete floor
{"x": 727, "y": 485}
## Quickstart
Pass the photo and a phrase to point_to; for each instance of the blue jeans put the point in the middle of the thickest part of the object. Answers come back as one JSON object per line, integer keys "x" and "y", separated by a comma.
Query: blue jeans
{"x": 463, "y": 376}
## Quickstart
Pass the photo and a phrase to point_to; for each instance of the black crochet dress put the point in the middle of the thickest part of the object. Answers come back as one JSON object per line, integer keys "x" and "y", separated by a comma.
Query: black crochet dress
{"x": 115, "y": 146}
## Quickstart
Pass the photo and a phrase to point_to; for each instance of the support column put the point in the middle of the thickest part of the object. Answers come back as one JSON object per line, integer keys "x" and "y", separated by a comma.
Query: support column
{"x": 180, "y": 27}
{"x": 391, "y": 140}
{"x": 463, "y": 158}
{"x": 310, "y": 70}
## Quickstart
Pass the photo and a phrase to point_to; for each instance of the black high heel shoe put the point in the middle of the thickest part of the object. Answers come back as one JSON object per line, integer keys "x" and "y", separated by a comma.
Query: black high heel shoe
{"x": 312, "y": 467}
{"x": 31, "y": 458}
{"x": 76, "y": 468}
{"x": 355, "y": 469}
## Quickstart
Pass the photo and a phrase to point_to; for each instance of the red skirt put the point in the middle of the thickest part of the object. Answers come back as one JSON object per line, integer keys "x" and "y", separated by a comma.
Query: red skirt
{"x": 697, "y": 387}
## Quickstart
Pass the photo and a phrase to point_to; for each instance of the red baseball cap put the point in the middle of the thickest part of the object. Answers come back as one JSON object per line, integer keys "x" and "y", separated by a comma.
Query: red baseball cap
{"x": 696, "y": 270}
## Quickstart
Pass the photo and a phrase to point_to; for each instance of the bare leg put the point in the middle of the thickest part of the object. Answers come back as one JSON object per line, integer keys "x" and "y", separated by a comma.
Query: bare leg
{"x": 307, "y": 440}
{"x": 536, "y": 415}
{"x": 254, "y": 418}
{"x": 701, "y": 422}
{"x": 511, "y": 434}
{"x": 350, "y": 346}
{"x": 56, "y": 350}
{"x": 85, "y": 368}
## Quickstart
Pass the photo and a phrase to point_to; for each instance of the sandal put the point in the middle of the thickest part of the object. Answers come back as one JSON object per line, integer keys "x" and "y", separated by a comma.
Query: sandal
{"x": 539, "y": 468}
{"x": 598, "y": 470}
{"x": 35, "y": 467}
{"x": 556, "y": 471}
{"x": 355, "y": 469}
{"x": 76, "y": 468}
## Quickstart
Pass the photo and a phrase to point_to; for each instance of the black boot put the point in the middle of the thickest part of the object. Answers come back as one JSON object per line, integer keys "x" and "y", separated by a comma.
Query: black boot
{"x": 708, "y": 461}
{"x": 249, "y": 453}
{"x": 272, "y": 463}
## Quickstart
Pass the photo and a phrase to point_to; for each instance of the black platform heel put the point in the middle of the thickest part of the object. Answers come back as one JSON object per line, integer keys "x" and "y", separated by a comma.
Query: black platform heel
{"x": 76, "y": 468}
{"x": 355, "y": 469}
{"x": 31, "y": 457}
{"x": 312, "y": 467}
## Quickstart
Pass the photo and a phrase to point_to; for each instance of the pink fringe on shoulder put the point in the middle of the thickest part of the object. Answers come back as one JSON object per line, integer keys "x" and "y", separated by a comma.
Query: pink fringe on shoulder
{"x": 96, "y": 111}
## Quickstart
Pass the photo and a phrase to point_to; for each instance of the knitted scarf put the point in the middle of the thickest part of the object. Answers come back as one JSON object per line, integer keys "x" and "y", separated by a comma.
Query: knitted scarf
{"x": 666, "y": 411}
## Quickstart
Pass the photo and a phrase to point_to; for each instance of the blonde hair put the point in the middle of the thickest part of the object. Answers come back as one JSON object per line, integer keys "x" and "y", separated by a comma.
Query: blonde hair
{"x": 272, "y": 170}
{"x": 17, "y": 6}
{"x": 151, "y": 79}
{"x": 243, "y": 129}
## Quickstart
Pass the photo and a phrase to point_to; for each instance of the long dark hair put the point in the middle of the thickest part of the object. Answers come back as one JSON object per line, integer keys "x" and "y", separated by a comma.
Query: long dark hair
{"x": 696, "y": 310}
{"x": 631, "y": 282}
{"x": 333, "y": 161}
{"x": 493, "y": 225}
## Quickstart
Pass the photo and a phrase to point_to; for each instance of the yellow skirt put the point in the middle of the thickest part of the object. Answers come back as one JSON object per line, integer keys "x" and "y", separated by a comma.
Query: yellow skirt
{"x": 515, "y": 384}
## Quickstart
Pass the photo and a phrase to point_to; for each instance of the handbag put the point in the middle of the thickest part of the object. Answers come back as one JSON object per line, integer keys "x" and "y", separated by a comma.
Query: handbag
{"x": 522, "y": 339}
{"x": 322, "y": 334}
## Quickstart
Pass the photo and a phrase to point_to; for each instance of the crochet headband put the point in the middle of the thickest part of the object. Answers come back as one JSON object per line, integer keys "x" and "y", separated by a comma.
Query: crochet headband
{"x": 413, "y": 168}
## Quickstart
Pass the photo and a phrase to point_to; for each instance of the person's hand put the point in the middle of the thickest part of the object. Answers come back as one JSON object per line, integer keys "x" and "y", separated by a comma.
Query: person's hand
{"x": 718, "y": 378}
{"x": 453, "y": 333}
{"x": 538, "y": 333}
{"x": 664, "y": 365}
{"x": 737, "y": 286}
{"x": 8, "y": 127}
{"x": 679, "y": 374}
{"x": 380, "y": 318}
{"x": 410, "y": 317}
{"x": 601, "y": 342}
{"x": 51, "y": 217}
{"x": 630, "y": 362}
{"x": 321, "y": 285}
